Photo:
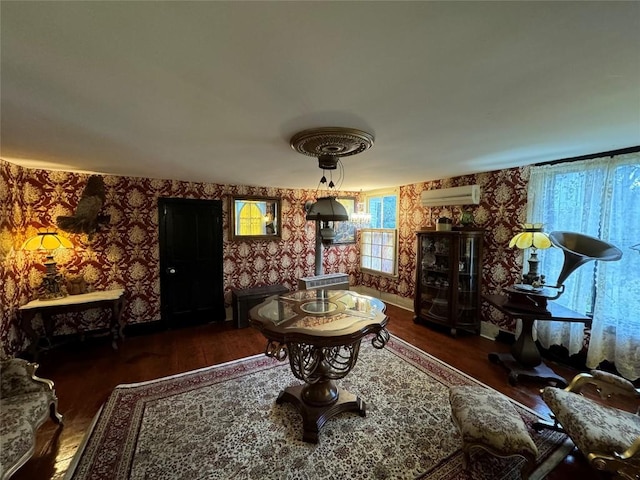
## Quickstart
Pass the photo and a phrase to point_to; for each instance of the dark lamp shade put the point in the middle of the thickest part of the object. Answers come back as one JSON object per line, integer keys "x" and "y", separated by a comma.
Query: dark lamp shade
{"x": 46, "y": 241}
{"x": 327, "y": 209}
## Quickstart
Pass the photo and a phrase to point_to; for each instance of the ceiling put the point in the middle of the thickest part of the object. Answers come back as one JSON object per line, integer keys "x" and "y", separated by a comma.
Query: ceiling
{"x": 214, "y": 91}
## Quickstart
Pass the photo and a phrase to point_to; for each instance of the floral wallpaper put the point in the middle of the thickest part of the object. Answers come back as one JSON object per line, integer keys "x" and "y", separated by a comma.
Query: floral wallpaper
{"x": 125, "y": 253}
{"x": 501, "y": 211}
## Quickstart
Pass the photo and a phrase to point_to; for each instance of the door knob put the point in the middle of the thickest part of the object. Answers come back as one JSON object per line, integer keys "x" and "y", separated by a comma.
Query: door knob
{"x": 171, "y": 270}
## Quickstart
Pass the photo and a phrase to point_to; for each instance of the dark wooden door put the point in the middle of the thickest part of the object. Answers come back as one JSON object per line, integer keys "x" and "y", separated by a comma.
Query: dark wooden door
{"x": 191, "y": 280}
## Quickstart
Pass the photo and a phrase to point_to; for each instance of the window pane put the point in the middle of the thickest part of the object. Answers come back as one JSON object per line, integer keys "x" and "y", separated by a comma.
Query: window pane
{"x": 380, "y": 254}
{"x": 375, "y": 209}
{"x": 376, "y": 263}
{"x": 389, "y": 211}
{"x": 387, "y": 266}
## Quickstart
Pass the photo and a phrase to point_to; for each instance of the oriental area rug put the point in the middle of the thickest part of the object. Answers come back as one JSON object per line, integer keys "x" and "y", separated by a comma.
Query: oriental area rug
{"x": 222, "y": 422}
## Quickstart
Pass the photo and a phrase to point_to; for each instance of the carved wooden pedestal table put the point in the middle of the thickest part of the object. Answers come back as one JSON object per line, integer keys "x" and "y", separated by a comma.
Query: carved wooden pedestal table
{"x": 320, "y": 332}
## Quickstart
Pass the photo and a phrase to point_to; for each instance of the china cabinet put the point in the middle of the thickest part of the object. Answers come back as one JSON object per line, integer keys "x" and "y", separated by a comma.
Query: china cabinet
{"x": 448, "y": 276}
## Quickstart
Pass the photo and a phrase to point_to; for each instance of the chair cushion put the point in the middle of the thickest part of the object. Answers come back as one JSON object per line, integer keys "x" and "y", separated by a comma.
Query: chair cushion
{"x": 21, "y": 415}
{"x": 485, "y": 417}
{"x": 592, "y": 426}
{"x": 16, "y": 444}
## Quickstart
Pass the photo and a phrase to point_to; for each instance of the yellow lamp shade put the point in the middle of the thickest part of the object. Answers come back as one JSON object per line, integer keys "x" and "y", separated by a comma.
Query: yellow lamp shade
{"x": 46, "y": 241}
{"x": 531, "y": 236}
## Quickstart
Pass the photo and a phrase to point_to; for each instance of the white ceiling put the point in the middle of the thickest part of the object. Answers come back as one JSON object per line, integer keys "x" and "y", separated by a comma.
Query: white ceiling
{"x": 213, "y": 91}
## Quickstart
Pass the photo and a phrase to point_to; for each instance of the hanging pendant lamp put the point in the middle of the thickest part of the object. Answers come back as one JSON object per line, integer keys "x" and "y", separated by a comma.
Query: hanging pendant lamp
{"x": 328, "y": 145}
{"x": 327, "y": 209}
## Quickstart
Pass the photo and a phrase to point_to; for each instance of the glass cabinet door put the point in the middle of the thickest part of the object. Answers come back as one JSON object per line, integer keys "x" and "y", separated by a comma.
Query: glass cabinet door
{"x": 436, "y": 278}
{"x": 448, "y": 275}
{"x": 468, "y": 274}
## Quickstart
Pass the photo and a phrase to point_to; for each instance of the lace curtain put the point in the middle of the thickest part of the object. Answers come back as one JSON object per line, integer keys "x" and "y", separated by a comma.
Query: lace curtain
{"x": 600, "y": 198}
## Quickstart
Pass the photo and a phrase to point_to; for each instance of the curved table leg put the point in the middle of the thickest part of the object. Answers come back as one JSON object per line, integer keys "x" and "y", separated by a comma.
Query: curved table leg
{"x": 319, "y": 399}
{"x": 27, "y": 327}
{"x": 516, "y": 370}
{"x": 525, "y": 359}
{"x": 117, "y": 325}
{"x": 314, "y": 417}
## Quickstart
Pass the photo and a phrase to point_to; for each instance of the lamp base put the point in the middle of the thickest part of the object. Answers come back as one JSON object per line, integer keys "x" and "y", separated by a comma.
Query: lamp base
{"x": 532, "y": 277}
{"x": 52, "y": 282}
{"x": 51, "y": 287}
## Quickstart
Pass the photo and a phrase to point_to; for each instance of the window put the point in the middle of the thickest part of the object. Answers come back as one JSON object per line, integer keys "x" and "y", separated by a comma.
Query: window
{"x": 379, "y": 244}
{"x": 383, "y": 207}
{"x": 599, "y": 198}
{"x": 378, "y": 250}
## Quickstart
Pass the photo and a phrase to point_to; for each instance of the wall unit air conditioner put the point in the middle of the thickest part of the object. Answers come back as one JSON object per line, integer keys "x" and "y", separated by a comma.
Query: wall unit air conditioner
{"x": 330, "y": 281}
{"x": 466, "y": 195}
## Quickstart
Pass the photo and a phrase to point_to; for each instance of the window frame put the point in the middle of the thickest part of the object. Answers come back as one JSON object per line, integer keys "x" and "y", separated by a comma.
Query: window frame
{"x": 367, "y": 197}
{"x": 381, "y": 193}
{"x": 382, "y": 231}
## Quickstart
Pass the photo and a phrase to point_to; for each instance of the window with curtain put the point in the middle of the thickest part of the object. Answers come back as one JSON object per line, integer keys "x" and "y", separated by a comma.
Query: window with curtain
{"x": 600, "y": 198}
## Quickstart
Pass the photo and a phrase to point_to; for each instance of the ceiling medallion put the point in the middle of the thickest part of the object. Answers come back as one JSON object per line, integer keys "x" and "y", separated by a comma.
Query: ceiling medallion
{"x": 328, "y": 144}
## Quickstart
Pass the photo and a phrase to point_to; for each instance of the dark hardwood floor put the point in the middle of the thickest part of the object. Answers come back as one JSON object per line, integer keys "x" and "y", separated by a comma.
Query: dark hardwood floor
{"x": 86, "y": 372}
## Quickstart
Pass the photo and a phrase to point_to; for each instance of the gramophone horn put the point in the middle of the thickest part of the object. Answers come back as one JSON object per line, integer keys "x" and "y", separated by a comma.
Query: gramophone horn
{"x": 579, "y": 249}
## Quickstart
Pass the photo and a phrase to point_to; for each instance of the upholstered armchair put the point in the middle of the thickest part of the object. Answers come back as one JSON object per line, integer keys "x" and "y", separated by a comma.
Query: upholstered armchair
{"x": 26, "y": 401}
{"x": 608, "y": 437}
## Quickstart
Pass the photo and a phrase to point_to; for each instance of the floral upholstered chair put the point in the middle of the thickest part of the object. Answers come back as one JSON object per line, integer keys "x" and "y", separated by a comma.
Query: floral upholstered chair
{"x": 608, "y": 437}
{"x": 25, "y": 403}
{"x": 486, "y": 419}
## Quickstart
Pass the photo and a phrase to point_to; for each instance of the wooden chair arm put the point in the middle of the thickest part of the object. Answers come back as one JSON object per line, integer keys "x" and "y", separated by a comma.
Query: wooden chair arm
{"x": 31, "y": 370}
{"x": 606, "y": 384}
{"x": 632, "y": 451}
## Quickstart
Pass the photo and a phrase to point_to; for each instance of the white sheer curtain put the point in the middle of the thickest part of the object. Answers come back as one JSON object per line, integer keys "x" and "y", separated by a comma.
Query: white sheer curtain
{"x": 601, "y": 198}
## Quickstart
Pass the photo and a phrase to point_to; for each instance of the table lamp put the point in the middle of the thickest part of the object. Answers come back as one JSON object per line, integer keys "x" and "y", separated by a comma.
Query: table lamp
{"x": 49, "y": 241}
{"x": 534, "y": 238}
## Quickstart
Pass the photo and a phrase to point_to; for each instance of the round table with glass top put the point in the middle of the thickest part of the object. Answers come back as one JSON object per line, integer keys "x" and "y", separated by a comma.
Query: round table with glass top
{"x": 320, "y": 332}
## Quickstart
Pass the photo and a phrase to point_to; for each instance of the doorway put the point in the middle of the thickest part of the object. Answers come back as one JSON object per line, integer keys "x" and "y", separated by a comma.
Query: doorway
{"x": 191, "y": 278}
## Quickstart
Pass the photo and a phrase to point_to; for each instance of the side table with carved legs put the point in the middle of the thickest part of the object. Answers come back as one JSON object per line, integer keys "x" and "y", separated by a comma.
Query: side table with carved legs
{"x": 47, "y": 309}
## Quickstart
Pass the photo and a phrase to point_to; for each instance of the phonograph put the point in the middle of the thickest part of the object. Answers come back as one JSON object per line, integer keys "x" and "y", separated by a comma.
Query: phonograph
{"x": 532, "y": 295}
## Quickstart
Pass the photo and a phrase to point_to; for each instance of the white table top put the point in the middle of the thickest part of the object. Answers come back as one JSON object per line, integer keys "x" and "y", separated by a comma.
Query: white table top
{"x": 96, "y": 296}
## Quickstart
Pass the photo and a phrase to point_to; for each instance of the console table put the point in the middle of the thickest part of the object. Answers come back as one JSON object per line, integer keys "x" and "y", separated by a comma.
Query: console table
{"x": 525, "y": 359}
{"x": 113, "y": 299}
{"x": 320, "y": 331}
